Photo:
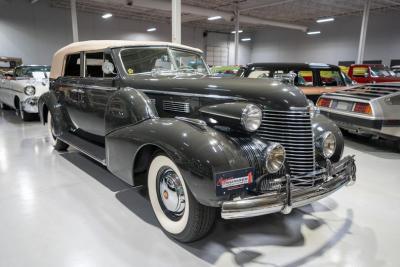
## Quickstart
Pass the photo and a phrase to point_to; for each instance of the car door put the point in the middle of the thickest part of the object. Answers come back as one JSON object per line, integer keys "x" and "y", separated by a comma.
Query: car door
{"x": 361, "y": 74}
{"x": 95, "y": 90}
{"x": 67, "y": 90}
{"x": 3, "y": 89}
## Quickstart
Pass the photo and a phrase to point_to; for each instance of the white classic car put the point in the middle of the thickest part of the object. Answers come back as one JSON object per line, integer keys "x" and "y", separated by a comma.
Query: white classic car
{"x": 22, "y": 88}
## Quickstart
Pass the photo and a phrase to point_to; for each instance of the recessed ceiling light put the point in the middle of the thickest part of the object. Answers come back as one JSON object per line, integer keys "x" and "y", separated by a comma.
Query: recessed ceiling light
{"x": 107, "y": 16}
{"x": 214, "y": 18}
{"x": 313, "y": 32}
{"x": 246, "y": 39}
{"x": 240, "y": 31}
{"x": 151, "y": 29}
{"x": 322, "y": 20}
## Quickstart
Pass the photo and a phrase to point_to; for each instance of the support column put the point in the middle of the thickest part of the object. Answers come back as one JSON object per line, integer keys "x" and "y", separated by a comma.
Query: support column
{"x": 74, "y": 20}
{"x": 237, "y": 14}
{"x": 363, "y": 35}
{"x": 176, "y": 21}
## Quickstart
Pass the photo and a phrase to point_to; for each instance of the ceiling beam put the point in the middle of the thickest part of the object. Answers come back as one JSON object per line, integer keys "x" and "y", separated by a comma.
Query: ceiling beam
{"x": 205, "y": 12}
{"x": 266, "y": 5}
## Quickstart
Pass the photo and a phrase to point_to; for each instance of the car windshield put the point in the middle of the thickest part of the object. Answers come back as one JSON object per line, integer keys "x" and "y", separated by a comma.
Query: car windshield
{"x": 378, "y": 71}
{"x": 162, "y": 62}
{"x": 33, "y": 71}
{"x": 347, "y": 79}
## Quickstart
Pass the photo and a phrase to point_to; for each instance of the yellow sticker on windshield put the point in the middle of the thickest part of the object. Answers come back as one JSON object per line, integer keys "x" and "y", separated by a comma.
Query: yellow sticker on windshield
{"x": 130, "y": 71}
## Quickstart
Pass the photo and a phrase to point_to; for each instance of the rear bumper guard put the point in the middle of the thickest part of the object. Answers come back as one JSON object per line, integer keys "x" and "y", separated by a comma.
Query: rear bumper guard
{"x": 334, "y": 176}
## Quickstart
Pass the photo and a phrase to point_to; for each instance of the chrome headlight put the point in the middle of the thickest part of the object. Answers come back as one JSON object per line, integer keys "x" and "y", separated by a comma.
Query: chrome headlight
{"x": 327, "y": 144}
{"x": 30, "y": 90}
{"x": 251, "y": 117}
{"x": 275, "y": 158}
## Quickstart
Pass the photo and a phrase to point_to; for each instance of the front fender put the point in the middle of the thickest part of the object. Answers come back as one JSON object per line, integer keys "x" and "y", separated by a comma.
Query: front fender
{"x": 322, "y": 124}
{"x": 48, "y": 103}
{"x": 199, "y": 152}
{"x": 127, "y": 106}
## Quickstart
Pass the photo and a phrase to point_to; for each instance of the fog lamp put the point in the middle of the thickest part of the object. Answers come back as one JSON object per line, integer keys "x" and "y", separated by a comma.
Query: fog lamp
{"x": 275, "y": 158}
{"x": 327, "y": 144}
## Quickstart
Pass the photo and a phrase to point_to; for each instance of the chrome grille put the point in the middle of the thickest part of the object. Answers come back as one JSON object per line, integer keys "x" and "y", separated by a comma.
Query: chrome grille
{"x": 293, "y": 130}
{"x": 176, "y": 106}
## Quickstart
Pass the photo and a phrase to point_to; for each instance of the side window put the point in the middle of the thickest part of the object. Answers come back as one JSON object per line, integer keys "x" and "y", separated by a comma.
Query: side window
{"x": 360, "y": 71}
{"x": 73, "y": 65}
{"x": 18, "y": 72}
{"x": 259, "y": 74}
{"x": 94, "y": 65}
{"x": 94, "y": 61}
{"x": 304, "y": 78}
{"x": 107, "y": 57}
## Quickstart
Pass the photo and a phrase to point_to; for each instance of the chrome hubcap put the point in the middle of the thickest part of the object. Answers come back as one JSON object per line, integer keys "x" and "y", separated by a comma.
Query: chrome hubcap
{"x": 171, "y": 191}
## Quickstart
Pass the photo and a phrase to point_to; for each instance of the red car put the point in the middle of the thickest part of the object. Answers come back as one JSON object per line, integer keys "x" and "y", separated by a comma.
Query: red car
{"x": 372, "y": 73}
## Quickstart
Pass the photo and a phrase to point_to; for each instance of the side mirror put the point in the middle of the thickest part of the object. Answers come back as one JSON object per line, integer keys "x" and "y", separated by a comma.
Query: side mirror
{"x": 366, "y": 75}
{"x": 107, "y": 67}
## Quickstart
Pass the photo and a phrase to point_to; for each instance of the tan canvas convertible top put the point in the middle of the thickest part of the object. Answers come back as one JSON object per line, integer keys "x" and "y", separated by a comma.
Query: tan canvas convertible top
{"x": 60, "y": 55}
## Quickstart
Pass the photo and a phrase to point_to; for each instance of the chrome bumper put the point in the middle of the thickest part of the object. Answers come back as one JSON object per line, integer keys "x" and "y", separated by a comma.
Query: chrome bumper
{"x": 30, "y": 105}
{"x": 334, "y": 177}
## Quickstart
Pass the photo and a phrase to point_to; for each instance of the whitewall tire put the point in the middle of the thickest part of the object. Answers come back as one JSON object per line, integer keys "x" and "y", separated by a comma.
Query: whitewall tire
{"x": 54, "y": 141}
{"x": 177, "y": 211}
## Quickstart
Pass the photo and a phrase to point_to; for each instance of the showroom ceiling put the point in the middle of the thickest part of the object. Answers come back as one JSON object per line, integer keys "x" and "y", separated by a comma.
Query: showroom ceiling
{"x": 300, "y": 12}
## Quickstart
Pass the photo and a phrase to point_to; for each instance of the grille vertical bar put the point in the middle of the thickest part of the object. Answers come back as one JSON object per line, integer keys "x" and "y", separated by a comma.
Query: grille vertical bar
{"x": 293, "y": 130}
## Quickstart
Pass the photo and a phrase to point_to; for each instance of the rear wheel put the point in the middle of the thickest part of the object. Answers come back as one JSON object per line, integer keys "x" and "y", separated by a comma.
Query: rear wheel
{"x": 57, "y": 143}
{"x": 176, "y": 209}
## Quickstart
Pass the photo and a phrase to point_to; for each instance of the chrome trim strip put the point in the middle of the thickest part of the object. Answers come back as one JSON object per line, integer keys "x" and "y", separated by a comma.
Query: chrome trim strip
{"x": 221, "y": 115}
{"x": 190, "y": 94}
{"x": 97, "y": 87}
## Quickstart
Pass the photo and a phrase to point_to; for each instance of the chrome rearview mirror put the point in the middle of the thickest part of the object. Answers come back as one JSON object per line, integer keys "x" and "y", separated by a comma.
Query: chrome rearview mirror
{"x": 107, "y": 67}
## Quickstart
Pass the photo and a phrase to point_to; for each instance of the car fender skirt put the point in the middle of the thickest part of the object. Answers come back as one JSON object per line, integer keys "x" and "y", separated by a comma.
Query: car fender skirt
{"x": 199, "y": 152}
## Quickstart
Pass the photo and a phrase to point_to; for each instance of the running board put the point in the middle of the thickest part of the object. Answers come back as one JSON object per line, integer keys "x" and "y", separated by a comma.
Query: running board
{"x": 91, "y": 150}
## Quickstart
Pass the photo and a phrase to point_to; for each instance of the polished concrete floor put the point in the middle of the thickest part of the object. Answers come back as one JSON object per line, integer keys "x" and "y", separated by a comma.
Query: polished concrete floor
{"x": 65, "y": 210}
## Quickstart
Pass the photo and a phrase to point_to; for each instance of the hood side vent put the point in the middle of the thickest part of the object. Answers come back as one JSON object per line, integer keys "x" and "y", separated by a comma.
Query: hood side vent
{"x": 173, "y": 106}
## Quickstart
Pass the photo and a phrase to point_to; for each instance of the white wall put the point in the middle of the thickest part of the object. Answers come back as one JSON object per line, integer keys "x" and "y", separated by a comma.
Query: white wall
{"x": 338, "y": 41}
{"x": 227, "y": 41}
{"x": 35, "y": 32}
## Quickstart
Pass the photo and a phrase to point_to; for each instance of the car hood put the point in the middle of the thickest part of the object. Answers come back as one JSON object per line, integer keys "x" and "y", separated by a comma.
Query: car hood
{"x": 270, "y": 93}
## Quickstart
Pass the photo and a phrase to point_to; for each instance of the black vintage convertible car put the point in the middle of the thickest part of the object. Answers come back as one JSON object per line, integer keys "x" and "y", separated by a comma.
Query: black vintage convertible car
{"x": 150, "y": 112}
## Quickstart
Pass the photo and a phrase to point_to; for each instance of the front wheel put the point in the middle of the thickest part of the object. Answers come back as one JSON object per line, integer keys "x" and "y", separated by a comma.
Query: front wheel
{"x": 25, "y": 116}
{"x": 176, "y": 209}
{"x": 57, "y": 143}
